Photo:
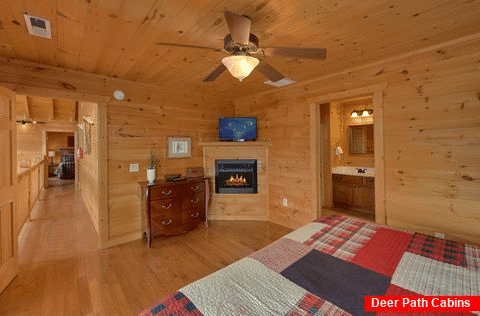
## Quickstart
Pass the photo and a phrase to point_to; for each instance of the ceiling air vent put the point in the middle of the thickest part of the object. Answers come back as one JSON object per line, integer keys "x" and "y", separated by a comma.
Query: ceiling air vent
{"x": 38, "y": 26}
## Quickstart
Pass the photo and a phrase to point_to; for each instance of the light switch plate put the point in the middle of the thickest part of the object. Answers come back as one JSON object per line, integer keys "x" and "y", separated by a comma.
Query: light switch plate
{"x": 134, "y": 167}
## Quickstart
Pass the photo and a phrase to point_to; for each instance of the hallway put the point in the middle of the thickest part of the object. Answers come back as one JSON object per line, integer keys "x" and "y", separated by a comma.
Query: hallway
{"x": 63, "y": 273}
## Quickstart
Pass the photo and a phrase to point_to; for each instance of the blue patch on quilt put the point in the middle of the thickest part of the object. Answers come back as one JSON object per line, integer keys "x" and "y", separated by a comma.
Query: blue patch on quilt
{"x": 340, "y": 282}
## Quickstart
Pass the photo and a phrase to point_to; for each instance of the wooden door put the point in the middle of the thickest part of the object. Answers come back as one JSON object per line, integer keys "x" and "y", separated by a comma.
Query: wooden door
{"x": 8, "y": 182}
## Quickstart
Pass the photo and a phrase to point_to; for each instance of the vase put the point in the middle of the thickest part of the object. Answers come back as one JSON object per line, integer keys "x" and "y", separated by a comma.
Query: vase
{"x": 151, "y": 175}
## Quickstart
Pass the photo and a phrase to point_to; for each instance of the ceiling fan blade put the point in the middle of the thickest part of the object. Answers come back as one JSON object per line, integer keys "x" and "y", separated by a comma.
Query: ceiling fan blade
{"x": 300, "y": 52}
{"x": 269, "y": 72}
{"x": 215, "y": 73}
{"x": 189, "y": 46}
{"x": 239, "y": 27}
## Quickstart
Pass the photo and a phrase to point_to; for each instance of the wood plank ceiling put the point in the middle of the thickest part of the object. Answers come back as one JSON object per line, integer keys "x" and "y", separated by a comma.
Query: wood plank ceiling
{"x": 41, "y": 109}
{"x": 118, "y": 38}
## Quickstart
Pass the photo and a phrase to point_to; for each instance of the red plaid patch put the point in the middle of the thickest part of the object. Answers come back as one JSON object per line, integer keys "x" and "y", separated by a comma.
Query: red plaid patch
{"x": 331, "y": 219}
{"x": 344, "y": 239}
{"x": 439, "y": 249}
{"x": 311, "y": 305}
{"x": 175, "y": 304}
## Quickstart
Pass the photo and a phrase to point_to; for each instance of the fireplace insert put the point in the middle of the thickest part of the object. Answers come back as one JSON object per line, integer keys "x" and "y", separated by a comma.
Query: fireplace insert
{"x": 237, "y": 176}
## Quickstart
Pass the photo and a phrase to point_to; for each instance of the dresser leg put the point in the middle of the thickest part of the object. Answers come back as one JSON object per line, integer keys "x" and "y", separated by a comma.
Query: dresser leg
{"x": 149, "y": 238}
{"x": 205, "y": 223}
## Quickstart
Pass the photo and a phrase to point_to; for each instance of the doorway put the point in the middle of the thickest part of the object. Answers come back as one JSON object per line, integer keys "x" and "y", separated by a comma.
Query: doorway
{"x": 347, "y": 159}
{"x": 61, "y": 158}
{"x": 324, "y": 156}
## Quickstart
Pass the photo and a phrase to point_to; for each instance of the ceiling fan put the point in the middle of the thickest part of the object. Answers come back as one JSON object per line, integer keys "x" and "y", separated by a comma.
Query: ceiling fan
{"x": 241, "y": 44}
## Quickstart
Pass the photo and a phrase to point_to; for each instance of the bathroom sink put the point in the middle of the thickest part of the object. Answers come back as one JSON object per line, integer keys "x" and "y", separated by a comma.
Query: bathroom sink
{"x": 354, "y": 171}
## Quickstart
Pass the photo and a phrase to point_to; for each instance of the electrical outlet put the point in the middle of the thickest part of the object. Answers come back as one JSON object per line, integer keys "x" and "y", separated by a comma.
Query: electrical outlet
{"x": 285, "y": 202}
{"x": 440, "y": 235}
{"x": 134, "y": 167}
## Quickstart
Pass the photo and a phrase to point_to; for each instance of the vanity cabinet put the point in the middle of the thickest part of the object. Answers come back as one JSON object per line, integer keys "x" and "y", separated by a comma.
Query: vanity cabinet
{"x": 355, "y": 192}
{"x": 174, "y": 207}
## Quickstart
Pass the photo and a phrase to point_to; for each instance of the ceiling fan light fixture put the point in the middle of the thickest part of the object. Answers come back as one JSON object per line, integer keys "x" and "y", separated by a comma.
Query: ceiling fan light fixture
{"x": 240, "y": 66}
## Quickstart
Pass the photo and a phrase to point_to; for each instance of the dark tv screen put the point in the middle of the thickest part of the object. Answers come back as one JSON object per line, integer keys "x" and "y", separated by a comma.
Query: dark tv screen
{"x": 237, "y": 128}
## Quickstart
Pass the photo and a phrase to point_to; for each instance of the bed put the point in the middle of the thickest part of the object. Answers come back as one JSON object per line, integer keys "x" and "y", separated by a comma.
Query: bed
{"x": 327, "y": 267}
{"x": 66, "y": 168}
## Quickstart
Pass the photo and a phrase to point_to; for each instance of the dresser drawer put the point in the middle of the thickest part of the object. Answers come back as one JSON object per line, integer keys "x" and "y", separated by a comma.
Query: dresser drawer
{"x": 194, "y": 201}
{"x": 170, "y": 222}
{"x": 165, "y": 205}
{"x": 176, "y": 190}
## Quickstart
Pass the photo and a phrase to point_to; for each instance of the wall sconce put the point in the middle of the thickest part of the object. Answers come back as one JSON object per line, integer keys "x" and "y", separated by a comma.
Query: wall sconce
{"x": 338, "y": 151}
{"x": 362, "y": 113}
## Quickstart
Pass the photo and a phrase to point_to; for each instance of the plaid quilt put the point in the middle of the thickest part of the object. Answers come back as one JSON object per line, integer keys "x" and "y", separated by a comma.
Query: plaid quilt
{"x": 327, "y": 267}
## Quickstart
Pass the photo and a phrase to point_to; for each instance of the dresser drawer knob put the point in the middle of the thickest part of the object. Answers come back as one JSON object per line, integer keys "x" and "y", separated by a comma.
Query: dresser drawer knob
{"x": 195, "y": 188}
{"x": 195, "y": 200}
{"x": 166, "y": 192}
{"x": 195, "y": 215}
{"x": 166, "y": 222}
{"x": 167, "y": 206}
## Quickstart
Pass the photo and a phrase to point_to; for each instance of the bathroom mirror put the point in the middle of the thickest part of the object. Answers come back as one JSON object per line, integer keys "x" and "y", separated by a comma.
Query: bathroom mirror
{"x": 361, "y": 139}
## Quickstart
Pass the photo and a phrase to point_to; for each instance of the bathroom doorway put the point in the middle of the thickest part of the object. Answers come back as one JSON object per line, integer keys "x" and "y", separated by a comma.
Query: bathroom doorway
{"x": 348, "y": 153}
{"x": 347, "y": 160}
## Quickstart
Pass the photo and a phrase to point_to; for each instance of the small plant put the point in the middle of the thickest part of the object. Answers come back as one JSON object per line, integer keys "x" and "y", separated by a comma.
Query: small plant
{"x": 152, "y": 159}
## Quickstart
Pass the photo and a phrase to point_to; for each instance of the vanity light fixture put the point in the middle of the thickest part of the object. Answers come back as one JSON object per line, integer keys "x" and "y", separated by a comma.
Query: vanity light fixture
{"x": 363, "y": 113}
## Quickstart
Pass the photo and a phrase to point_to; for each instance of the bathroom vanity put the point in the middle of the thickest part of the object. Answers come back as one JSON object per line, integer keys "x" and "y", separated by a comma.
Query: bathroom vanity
{"x": 354, "y": 188}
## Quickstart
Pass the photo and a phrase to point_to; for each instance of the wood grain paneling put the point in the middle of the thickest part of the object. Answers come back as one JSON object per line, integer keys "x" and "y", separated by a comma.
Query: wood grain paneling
{"x": 88, "y": 164}
{"x": 119, "y": 38}
{"x": 134, "y": 129}
{"x": 22, "y": 208}
{"x": 30, "y": 144}
{"x": 431, "y": 135}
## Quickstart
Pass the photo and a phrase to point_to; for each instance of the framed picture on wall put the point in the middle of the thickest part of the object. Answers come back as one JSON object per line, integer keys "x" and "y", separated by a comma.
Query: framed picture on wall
{"x": 179, "y": 147}
{"x": 87, "y": 133}
{"x": 80, "y": 137}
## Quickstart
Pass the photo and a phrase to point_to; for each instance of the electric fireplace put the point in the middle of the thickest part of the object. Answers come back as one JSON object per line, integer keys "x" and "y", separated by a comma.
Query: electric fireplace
{"x": 237, "y": 176}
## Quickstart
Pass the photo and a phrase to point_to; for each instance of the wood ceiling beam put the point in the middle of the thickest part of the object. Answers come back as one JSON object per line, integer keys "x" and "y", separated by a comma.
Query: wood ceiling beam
{"x": 31, "y": 78}
{"x": 54, "y": 107}
{"x": 22, "y": 107}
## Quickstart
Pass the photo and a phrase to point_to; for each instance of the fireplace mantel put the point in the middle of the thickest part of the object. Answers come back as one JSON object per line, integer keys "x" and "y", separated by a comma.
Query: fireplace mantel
{"x": 248, "y": 144}
{"x": 238, "y": 206}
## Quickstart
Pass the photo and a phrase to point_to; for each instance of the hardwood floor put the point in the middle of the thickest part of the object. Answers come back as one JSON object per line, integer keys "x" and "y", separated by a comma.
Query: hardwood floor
{"x": 348, "y": 212}
{"x": 63, "y": 273}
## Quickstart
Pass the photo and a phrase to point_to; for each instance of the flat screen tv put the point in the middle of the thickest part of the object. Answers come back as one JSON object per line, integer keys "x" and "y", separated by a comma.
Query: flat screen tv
{"x": 237, "y": 128}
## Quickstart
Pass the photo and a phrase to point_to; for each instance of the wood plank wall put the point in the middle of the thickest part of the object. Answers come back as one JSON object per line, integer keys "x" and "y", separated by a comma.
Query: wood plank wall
{"x": 30, "y": 143}
{"x": 147, "y": 116}
{"x": 133, "y": 130}
{"x": 88, "y": 165}
{"x": 431, "y": 133}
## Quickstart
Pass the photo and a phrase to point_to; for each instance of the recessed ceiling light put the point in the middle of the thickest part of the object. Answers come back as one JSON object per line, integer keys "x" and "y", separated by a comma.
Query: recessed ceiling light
{"x": 119, "y": 95}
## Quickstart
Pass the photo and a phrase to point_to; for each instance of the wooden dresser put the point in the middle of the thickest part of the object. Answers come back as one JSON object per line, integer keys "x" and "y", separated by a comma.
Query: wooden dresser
{"x": 174, "y": 207}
